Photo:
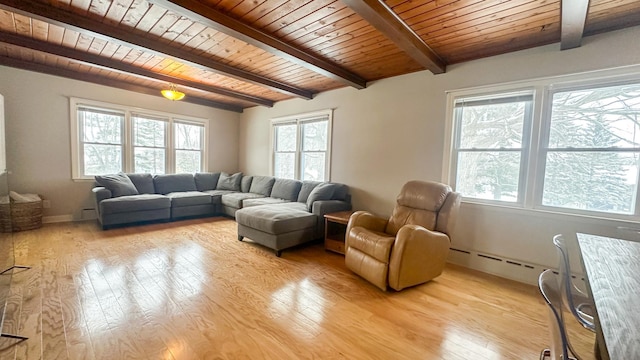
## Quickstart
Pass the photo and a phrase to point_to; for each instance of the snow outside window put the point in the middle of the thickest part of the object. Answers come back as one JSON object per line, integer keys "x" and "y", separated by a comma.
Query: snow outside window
{"x": 300, "y": 147}
{"x": 109, "y": 138}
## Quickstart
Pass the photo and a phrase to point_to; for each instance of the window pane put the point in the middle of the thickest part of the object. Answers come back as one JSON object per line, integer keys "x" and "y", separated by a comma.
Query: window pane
{"x": 314, "y": 136}
{"x": 596, "y": 118}
{"x": 285, "y": 165}
{"x": 101, "y": 127}
{"x": 489, "y": 175}
{"x": 492, "y": 126}
{"x": 286, "y": 137}
{"x": 596, "y": 181}
{"x": 313, "y": 165}
{"x": 148, "y": 160}
{"x": 102, "y": 159}
{"x": 148, "y": 132}
{"x": 188, "y": 136}
{"x": 188, "y": 161}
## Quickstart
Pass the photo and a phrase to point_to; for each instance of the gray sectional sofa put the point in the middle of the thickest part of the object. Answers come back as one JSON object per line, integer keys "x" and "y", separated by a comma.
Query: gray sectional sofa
{"x": 277, "y": 213}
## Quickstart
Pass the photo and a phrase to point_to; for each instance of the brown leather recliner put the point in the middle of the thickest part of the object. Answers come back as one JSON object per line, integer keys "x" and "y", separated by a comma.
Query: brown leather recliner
{"x": 412, "y": 246}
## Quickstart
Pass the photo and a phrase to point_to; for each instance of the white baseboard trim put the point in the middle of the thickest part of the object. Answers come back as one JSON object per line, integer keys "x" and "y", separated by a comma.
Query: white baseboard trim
{"x": 496, "y": 265}
{"x": 57, "y": 219}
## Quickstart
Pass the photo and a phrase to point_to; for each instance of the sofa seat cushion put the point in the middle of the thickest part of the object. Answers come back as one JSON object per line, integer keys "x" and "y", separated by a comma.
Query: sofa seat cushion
{"x": 235, "y": 199}
{"x": 216, "y": 195}
{"x": 189, "y": 198}
{"x": 133, "y": 203}
{"x": 262, "y": 201}
{"x": 277, "y": 218}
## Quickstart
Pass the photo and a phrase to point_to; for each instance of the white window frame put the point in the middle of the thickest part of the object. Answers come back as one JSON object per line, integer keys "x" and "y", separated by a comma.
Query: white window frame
{"x": 533, "y": 173}
{"x": 203, "y": 138}
{"x": 80, "y": 142}
{"x": 524, "y": 146}
{"x": 76, "y": 151}
{"x": 299, "y": 120}
{"x": 166, "y": 138}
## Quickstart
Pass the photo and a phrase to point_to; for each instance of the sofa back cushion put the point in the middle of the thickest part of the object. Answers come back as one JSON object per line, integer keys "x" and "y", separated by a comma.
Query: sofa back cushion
{"x": 229, "y": 182}
{"x": 305, "y": 190}
{"x": 119, "y": 184}
{"x": 245, "y": 184}
{"x": 323, "y": 191}
{"x": 174, "y": 182}
{"x": 262, "y": 185}
{"x": 341, "y": 192}
{"x": 143, "y": 182}
{"x": 287, "y": 189}
{"x": 206, "y": 181}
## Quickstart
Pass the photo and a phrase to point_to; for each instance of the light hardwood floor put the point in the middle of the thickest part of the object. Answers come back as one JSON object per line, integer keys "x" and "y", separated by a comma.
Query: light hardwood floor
{"x": 190, "y": 290}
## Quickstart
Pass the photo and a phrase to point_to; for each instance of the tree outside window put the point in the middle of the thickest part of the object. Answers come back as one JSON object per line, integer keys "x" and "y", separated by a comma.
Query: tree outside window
{"x": 489, "y": 146}
{"x": 300, "y": 147}
{"x": 593, "y": 149}
{"x": 101, "y": 141}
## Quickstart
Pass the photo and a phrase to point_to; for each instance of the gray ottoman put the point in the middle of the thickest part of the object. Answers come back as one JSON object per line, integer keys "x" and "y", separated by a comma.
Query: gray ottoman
{"x": 277, "y": 226}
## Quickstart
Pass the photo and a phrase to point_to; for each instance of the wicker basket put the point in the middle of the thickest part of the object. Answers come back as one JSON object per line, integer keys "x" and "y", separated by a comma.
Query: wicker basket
{"x": 20, "y": 216}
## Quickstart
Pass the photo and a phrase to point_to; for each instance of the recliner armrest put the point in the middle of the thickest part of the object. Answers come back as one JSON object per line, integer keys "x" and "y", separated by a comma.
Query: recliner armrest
{"x": 418, "y": 255}
{"x": 367, "y": 220}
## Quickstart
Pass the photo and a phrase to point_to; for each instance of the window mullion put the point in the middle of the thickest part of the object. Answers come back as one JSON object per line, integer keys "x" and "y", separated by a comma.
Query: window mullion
{"x": 127, "y": 147}
{"x": 298, "y": 156}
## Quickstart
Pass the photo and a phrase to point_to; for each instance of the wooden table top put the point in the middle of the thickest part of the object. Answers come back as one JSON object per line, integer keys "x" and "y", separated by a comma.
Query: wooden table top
{"x": 613, "y": 274}
{"x": 340, "y": 216}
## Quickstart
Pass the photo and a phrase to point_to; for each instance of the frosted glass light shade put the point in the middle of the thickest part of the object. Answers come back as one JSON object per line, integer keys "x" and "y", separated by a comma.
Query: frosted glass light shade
{"x": 172, "y": 93}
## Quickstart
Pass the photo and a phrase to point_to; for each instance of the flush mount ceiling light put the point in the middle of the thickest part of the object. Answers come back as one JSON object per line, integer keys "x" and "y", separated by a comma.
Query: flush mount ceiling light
{"x": 172, "y": 93}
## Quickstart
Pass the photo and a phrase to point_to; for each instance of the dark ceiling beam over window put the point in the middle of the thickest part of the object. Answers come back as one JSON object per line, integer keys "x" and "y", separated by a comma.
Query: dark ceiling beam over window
{"x": 96, "y": 60}
{"x": 101, "y": 80}
{"x": 134, "y": 39}
{"x": 380, "y": 16}
{"x": 574, "y": 16}
{"x": 225, "y": 24}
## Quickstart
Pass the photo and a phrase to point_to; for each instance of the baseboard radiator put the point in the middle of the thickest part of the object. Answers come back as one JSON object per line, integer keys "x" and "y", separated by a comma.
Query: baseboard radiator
{"x": 496, "y": 265}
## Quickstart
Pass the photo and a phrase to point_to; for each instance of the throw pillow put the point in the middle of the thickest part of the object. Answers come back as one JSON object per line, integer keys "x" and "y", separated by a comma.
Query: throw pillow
{"x": 119, "y": 184}
{"x": 229, "y": 182}
{"x": 323, "y": 191}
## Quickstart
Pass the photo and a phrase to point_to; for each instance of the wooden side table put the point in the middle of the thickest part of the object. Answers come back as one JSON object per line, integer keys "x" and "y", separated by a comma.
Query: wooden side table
{"x": 335, "y": 226}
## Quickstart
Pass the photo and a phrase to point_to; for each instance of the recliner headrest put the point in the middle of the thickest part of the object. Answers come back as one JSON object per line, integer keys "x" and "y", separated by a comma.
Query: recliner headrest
{"x": 425, "y": 195}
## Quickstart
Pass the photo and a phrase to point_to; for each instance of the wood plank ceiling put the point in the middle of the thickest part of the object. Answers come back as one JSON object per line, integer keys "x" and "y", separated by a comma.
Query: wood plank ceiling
{"x": 238, "y": 54}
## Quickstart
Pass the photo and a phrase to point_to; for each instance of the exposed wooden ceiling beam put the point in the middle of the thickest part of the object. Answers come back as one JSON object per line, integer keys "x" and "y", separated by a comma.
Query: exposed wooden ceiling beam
{"x": 225, "y": 24}
{"x": 101, "y": 80}
{"x": 380, "y": 16}
{"x": 574, "y": 16}
{"x": 102, "y": 62}
{"x": 134, "y": 39}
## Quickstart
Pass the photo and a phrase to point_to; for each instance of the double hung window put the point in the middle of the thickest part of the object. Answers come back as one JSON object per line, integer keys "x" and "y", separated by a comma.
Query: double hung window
{"x": 593, "y": 149}
{"x": 189, "y": 138}
{"x": 490, "y": 143}
{"x": 575, "y": 149}
{"x": 149, "y": 144}
{"x": 301, "y": 146}
{"x": 109, "y": 138}
{"x": 101, "y": 140}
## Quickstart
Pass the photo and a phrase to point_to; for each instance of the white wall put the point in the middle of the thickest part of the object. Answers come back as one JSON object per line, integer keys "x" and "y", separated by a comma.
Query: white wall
{"x": 38, "y": 139}
{"x": 393, "y": 131}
